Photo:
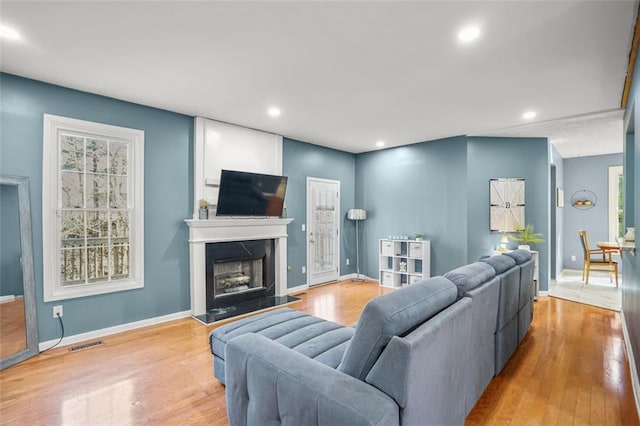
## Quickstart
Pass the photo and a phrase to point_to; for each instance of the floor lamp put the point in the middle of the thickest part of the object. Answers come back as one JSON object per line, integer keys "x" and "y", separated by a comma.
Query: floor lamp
{"x": 357, "y": 215}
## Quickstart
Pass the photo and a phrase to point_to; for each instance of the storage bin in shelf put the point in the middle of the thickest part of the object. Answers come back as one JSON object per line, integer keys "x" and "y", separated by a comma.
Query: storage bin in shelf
{"x": 403, "y": 262}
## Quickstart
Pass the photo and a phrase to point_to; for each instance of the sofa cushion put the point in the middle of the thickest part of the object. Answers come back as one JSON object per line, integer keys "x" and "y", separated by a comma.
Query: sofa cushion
{"x": 319, "y": 339}
{"x": 470, "y": 276}
{"x": 520, "y": 256}
{"x": 500, "y": 263}
{"x": 393, "y": 314}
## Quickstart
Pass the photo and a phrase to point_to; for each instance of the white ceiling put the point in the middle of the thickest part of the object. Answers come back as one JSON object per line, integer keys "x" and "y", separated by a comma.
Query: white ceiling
{"x": 344, "y": 74}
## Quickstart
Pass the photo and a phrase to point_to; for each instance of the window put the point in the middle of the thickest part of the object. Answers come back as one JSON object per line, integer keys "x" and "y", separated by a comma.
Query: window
{"x": 92, "y": 208}
{"x": 616, "y": 202}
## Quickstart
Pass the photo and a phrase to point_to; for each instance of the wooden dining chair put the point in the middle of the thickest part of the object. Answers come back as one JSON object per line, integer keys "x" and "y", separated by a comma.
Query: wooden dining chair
{"x": 596, "y": 259}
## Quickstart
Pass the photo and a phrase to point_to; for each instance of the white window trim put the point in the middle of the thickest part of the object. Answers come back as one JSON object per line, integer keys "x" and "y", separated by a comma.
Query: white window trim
{"x": 614, "y": 172}
{"x": 53, "y": 125}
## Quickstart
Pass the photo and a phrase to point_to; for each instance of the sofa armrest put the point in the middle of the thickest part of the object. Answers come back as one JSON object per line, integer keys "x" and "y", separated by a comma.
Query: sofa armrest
{"x": 268, "y": 383}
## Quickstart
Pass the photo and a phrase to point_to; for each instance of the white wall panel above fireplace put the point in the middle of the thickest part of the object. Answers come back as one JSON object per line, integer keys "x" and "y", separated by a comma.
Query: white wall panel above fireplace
{"x": 220, "y": 146}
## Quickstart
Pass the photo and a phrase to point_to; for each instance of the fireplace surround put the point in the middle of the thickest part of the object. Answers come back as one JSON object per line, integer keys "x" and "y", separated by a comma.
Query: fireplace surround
{"x": 222, "y": 230}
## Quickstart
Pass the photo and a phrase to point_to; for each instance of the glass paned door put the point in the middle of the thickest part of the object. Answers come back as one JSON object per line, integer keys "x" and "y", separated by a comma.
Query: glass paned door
{"x": 323, "y": 230}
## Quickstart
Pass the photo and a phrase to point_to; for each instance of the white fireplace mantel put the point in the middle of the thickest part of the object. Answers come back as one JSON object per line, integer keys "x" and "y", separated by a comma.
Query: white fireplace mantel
{"x": 216, "y": 230}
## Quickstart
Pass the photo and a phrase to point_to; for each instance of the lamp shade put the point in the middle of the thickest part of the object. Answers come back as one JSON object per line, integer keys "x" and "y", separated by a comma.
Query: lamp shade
{"x": 356, "y": 214}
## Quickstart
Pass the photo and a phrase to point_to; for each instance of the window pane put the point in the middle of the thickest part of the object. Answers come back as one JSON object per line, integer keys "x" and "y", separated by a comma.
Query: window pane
{"x": 119, "y": 261}
{"x": 71, "y": 225}
{"x": 97, "y": 225}
{"x": 72, "y": 153}
{"x": 72, "y": 189}
{"x": 120, "y": 225}
{"x": 98, "y": 260}
{"x": 72, "y": 266}
{"x": 96, "y": 156}
{"x": 97, "y": 191}
{"x": 118, "y": 158}
{"x": 73, "y": 250}
{"x": 118, "y": 192}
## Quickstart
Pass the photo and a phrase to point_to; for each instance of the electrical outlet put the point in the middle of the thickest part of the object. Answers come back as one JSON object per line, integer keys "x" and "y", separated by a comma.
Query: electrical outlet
{"x": 304, "y": 228}
{"x": 304, "y": 269}
{"x": 573, "y": 258}
{"x": 57, "y": 310}
{"x": 347, "y": 262}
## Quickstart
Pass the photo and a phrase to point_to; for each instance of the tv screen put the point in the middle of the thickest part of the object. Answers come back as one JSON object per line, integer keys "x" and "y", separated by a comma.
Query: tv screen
{"x": 250, "y": 194}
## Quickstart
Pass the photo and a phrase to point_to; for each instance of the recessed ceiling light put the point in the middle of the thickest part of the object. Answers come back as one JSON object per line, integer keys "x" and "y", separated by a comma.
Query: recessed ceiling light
{"x": 380, "y": 144}
{"x": 9, "y": 33}
{"x": 468, "y": 34}
{"x": 529, "y": 115}
{"x": 274, "y": 112}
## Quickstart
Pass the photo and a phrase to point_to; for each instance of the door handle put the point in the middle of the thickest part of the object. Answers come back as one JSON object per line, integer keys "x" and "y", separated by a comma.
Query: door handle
{"x": 311, "y": 240}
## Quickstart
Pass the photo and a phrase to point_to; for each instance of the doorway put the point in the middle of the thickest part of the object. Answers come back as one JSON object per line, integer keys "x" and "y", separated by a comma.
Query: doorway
{"x": 323, "y": 230}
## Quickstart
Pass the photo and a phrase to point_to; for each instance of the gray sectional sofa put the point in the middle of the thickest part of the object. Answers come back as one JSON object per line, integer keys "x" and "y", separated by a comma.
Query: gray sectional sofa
{"x": 420, "y": 355}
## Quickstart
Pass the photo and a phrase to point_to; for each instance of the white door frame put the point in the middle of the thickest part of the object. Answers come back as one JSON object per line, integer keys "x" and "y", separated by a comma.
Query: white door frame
{"x": 309, "y": 221}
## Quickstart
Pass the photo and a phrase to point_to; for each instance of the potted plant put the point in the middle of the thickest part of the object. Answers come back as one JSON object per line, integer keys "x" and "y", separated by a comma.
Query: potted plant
{"x": 417, "y": 236}
{"x": 526, "y": 236}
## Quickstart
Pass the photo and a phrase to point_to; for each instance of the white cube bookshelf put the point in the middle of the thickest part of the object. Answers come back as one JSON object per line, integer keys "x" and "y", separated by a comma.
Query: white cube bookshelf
{"x": 403, "y": 262}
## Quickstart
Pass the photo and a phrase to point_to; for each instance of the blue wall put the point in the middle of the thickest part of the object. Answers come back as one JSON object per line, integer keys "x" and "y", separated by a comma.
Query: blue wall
{"x": 526, "y": 158}
{"x": 302, "y": 160}
{"x": 10, "y": 246}
{"x": 631, "y": 260}
{"x": 415, "y": 188}
{"x": 441, "y": 189}
{"x": 591, "y": 173}
{"x": 168, "y": 198}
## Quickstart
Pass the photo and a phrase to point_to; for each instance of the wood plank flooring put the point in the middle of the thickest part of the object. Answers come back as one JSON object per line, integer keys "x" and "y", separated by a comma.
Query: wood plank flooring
{"x": 570, "y": 369}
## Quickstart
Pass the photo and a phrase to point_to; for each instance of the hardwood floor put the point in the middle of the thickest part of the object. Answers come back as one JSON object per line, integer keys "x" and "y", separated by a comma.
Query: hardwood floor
{"x": 570, "y": 369}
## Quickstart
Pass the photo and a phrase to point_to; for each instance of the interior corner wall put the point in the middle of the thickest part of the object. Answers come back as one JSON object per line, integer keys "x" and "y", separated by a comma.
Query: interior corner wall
{"x": 631, "y": 260}
{"x": 526, "y": 158}
{"x": 558, "y": 161}
{"x": 302, "y": 160}
{"x": 415, "y": 188}
{"x": 590, "y": 173}
{"x": 168, "y": 193}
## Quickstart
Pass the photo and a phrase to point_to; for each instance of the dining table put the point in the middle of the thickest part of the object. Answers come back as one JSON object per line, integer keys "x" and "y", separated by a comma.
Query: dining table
{"x": 609, "y": 248}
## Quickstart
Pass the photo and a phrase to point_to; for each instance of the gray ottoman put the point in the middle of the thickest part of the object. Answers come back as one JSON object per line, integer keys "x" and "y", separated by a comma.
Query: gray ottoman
{"x": 322, "y": 340}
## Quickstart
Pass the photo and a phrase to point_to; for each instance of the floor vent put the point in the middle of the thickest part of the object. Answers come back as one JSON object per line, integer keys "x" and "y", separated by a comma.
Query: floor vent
{"x": 86, "y": 346}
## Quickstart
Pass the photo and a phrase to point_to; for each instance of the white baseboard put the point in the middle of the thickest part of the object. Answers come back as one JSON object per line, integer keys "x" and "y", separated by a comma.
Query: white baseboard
{"x": 543, "y": 293}
{"x": 352, "y": 276}
{"x": 635, "y": 380}
{"x": 297, "y": 289}
{"x": 113, "y": 330}
{"x": 8, "y": 298}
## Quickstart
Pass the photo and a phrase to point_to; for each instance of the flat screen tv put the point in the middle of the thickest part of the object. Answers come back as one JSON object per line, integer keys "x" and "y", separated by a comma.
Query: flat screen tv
{"x": 250, "y": 194}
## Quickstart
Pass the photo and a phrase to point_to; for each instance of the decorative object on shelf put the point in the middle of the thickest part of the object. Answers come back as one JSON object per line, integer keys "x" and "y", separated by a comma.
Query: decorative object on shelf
{"x": 403, "y": 266}
{"x": 506, "y": 200}
{"x": 417, "y": 236}
{"x": 357, "y": 215}
{"x": 503, "y": 243}
{"x": 203, "y": 212}
{"x": 584, "y": 199}
{"x": 526, "y": 236}
{"x": 630, "y": 235}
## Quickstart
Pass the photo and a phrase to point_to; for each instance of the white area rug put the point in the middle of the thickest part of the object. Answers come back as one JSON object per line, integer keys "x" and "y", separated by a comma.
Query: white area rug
{"x": 599, "y": 292}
